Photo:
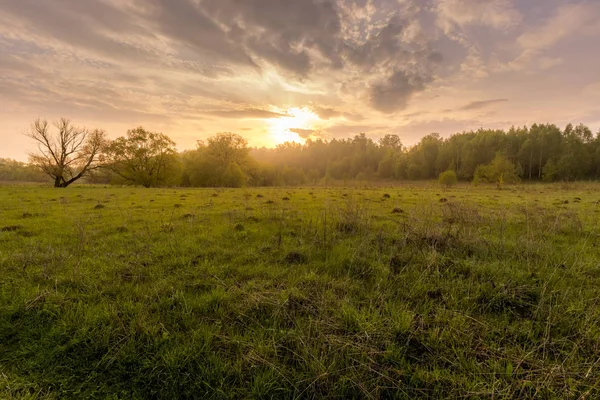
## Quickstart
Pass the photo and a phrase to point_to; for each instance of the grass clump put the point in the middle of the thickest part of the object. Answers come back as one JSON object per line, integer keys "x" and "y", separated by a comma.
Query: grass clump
{"x": 11, "y": 228}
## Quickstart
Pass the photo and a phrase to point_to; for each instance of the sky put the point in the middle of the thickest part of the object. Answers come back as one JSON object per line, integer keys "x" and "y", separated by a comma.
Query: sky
{"x": 279, "y": 70}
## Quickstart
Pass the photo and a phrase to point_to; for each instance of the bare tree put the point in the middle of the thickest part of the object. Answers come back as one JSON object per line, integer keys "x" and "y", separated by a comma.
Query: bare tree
{"x": 69, "y": 154}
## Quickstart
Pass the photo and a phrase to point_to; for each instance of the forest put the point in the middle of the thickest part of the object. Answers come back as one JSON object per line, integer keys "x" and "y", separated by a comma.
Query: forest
{"x": 541, "y": 152}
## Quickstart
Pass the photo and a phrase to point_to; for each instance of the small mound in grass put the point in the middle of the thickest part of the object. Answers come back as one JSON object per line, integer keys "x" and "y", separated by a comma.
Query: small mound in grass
{"x": 399, "y": 262}
{"x": 295, "y": 258}
{"x": 436, "y": 294}
{"x": 443, "y": 200}
{"x": 11, "y": 228}
{"x": 397, "y": 211}
{"x": 386, "y": 196}
{"x": 25, "y": 234}
{"x": 99, "y": 207}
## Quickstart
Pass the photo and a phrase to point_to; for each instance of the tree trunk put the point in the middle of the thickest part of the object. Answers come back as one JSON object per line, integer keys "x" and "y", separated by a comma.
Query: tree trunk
{"x": 530, "y": 162}
{"x": 540, "y": 166}
{"x": 57, "y": 183}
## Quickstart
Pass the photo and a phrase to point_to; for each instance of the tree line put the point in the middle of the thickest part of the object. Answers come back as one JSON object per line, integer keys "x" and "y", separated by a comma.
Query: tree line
{"x": 541, "y": 152}
{"x": 17, "y": 171}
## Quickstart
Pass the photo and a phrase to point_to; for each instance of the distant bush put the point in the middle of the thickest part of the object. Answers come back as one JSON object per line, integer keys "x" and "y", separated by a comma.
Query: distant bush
{"x": 448, "y": 179}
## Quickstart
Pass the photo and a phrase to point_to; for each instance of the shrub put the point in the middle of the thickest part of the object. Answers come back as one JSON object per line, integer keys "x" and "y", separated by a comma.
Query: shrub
{"x": 448, "y": 179}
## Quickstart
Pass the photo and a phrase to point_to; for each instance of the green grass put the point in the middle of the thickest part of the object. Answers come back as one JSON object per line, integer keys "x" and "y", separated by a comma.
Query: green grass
{"x": 332, "y": 293}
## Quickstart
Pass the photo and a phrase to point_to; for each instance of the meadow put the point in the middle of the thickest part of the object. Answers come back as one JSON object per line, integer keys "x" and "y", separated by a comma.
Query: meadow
{"x": 348, "y": 292}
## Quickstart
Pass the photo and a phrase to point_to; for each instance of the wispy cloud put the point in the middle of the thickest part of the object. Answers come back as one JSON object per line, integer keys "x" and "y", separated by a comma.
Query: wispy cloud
{"x": 497, "y": 14}
{"x": 248, "y": 113}
{"x": 477, "y": 105}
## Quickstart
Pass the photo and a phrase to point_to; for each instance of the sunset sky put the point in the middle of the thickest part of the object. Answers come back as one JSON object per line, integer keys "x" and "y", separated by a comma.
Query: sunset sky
{"x": 277, "y": 70}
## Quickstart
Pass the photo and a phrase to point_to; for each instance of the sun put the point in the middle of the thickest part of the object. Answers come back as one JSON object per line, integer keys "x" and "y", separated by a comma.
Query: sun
{"x": 281, "y": 129}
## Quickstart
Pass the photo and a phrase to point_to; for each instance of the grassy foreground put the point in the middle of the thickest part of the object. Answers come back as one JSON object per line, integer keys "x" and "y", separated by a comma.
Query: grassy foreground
{"x": 410, "y": 292}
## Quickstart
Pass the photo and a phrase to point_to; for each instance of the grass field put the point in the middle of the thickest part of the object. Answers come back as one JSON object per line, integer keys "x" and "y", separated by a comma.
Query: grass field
{"x": 406, "y": 292}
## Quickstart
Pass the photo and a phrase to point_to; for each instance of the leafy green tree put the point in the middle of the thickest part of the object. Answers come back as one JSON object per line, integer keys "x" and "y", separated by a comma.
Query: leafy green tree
{"x": 233, "y": 176}
{"x": 415, "y": 172}
{"x": 225, "y": 148}
{"x": 499, "y": 171}
{"x": 575, "y": 159}
{"x": 216, "y": 162}
{"x": 430, "y": 146}
{"x": 293, "y": 176}
{"x": 392, "y": 142}
{"x": 143, "y": 158}
{"x": 313, "y": 176}
{"x": 550, "y": 171}
{"x": 385, "y": 169}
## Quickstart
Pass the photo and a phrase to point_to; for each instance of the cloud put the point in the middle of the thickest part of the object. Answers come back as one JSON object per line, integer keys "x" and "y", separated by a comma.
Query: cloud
{"x": 416, "y": 114}
{"x": 51, "y": 21}
{"x": 592, "y": 89}
{"x": 250, "y": 113}
{"x": 343, "y": 130}
{"x": 186, "y": 22}
{"x": 394, "y": 93}
{"x": 281, "y": 32}
{"x": 497, "y": 14}
{"x": 566, "y": 21}
{"x": 304, "y": 133}
{"x": 326, "y": 113}
{"x": 477, "y": 105}
{"x": 185, "y": 49}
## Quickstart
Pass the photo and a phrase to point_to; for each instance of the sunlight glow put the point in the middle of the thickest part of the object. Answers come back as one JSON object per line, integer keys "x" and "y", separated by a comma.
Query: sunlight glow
{"x": 299, "y": 118}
